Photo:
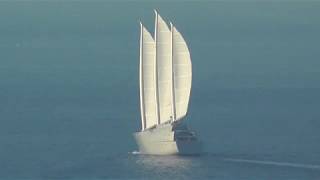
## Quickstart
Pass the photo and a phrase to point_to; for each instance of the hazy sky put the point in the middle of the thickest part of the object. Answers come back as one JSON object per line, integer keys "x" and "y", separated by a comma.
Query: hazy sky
{"x": 239, "y": 44}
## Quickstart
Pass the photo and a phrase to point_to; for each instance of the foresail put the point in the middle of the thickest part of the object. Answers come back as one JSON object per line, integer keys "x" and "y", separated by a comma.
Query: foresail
{"x": 182, "y": 69}
{"x": 164, "y": 68}
{"x": 147, "y": 80}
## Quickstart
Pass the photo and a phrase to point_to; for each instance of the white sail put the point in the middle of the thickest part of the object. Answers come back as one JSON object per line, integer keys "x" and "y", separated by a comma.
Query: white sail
{"x": 164, "y": 68}
{"x": 148, "y": 103}
{"x": 182, "y": 69}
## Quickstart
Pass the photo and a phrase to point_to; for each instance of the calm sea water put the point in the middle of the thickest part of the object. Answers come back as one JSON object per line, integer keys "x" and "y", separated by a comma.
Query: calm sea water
{"x": 69, "y": 90}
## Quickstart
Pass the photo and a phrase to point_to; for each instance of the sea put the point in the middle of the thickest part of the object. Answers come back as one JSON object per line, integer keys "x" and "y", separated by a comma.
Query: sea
{"x": 69, "y": 94}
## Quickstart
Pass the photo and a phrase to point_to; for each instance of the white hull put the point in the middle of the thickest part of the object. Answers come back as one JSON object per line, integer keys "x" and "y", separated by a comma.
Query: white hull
{"x": 167, "y": 139}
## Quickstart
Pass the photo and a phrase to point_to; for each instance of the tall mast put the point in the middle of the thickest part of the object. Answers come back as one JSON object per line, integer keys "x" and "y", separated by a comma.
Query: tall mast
{"x": 156, "y": 69}
{"x": 143, "y": 118}
{"x": 172, "y": 76}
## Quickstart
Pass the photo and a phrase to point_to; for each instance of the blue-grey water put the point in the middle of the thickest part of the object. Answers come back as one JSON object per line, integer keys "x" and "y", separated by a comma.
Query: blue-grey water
{"x": 69, "y": 89}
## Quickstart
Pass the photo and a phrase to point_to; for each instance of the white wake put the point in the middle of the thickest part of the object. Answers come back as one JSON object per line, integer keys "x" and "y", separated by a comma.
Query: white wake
{"x": 275, "y": 163}
{"x": 134, "y": 152}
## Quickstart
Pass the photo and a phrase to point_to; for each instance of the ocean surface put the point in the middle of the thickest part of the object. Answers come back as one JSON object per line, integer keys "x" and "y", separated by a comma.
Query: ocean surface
{"x": 69, "y": 89}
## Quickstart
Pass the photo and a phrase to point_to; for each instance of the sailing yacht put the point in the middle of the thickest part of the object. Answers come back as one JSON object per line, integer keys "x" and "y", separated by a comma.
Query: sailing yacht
{"x": 165, "y": 84}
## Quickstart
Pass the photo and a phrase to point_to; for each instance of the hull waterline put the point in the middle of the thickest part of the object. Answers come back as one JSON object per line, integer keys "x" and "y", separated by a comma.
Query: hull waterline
{"x": 165, "y": 140}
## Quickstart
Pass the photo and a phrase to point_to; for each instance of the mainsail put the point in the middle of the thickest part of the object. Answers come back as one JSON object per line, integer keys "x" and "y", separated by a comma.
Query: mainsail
{"x": 164, "y": 68}
{"x": 148, "y": 101}
{"x": 165, "y": 75}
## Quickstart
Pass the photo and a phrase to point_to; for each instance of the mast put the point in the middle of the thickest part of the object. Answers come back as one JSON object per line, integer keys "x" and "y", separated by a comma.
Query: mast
{"x": 172, "y": 76}
{"x": 143, "y": 118}
{"x": 156, "y": 70}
